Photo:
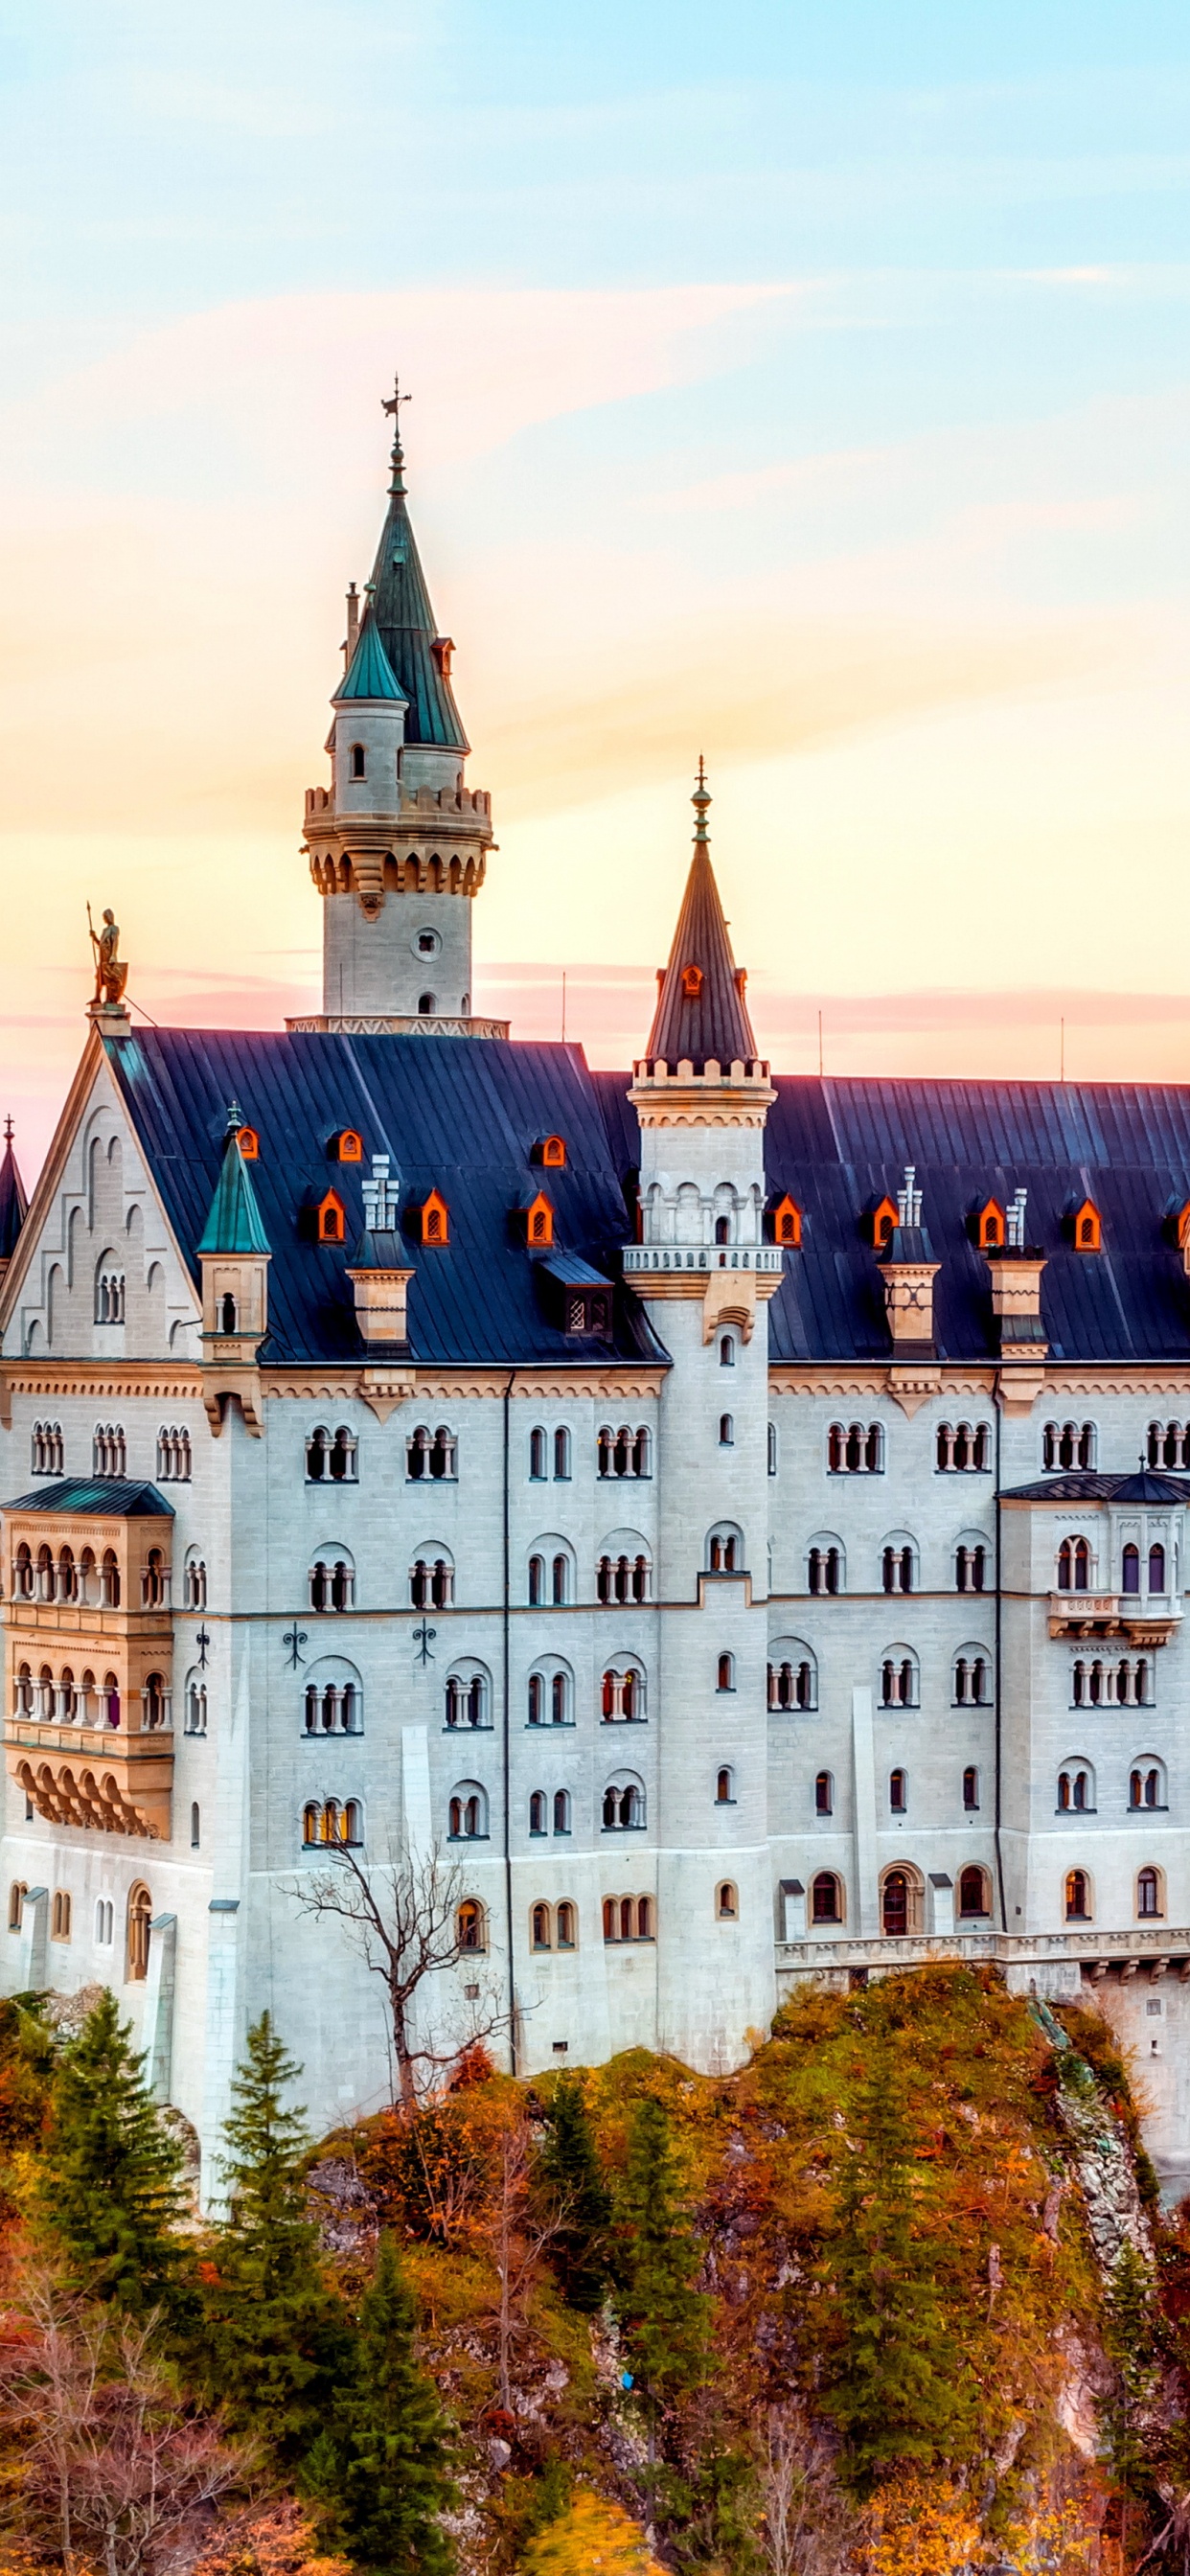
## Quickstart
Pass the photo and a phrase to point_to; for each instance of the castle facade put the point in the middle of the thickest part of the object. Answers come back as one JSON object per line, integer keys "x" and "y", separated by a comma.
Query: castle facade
{"x": 728, "y": 1526}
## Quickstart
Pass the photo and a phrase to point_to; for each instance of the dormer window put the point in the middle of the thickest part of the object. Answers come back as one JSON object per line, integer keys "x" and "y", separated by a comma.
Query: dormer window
{"x": 692, "y": 982}
{"x": 347, "y": 1146}
{"x": 332, "y": 1219}
{"x": 1088, "y": 1228}
{"x": 434, "y": 1218}
{"x": 991, "y": 1227}
{"x": 787, "y": 1223}
{"x": 552, "y": 1152}
{"x": 249, "y": 1144}
{"x": 539, "y": 1223}
{"x": 359, "y": 761}
{"x": 882, "y": 1223}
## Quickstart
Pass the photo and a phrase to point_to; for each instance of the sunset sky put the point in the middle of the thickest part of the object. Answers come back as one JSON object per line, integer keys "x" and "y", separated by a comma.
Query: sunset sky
{"x": 808, "y": 385}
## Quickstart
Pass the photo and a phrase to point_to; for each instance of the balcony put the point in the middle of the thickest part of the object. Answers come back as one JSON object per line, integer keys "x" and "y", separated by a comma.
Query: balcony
{"x": 1145, "y": 1619}
{"x": 765, "y": 1258}
{"x": 110, "y": 1778}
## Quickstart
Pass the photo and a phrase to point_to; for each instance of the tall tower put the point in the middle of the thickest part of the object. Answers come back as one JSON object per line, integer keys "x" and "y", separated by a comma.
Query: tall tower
{"x": 397, "y": 844}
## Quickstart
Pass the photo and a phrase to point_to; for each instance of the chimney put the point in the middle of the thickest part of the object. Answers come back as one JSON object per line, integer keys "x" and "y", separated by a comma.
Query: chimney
{"x": 909, "y": 1271}
{"x": 352, "y": 621}
{"x": 1016, "y": 1288}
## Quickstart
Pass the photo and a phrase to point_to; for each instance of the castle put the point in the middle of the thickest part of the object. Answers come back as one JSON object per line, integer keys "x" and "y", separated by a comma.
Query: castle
{"x": 729, "y": 1524}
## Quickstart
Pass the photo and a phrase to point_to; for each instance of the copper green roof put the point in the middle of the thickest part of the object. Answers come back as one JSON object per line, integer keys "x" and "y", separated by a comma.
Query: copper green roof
{"x": 111, "y": 1497}
{"x": 13, "y": 1201}
{"x": 371, "y": 674}
{"x": 234, "y": 1223}
{"x": 701, "y": 1014}
{"x": 400, "y": 604}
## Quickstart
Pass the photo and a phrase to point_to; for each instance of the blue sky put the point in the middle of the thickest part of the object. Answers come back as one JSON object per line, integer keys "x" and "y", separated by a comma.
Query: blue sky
{"x": 808, "y": 385}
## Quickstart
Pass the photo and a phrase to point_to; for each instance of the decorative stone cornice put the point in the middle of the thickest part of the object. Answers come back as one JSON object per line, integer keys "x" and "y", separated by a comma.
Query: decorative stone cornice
{"x": 395, "y": 1024}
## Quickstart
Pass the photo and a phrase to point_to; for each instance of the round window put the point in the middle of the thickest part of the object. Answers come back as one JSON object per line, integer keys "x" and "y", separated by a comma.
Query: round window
{"x": 427, "y": 943}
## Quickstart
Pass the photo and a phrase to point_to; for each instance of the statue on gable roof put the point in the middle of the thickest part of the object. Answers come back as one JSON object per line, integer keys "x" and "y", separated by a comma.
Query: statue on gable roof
{"x": 111, "y": 971}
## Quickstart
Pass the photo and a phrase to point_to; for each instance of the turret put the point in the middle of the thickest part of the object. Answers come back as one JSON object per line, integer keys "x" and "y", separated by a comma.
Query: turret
{"x": 13, "y": 1202}
{"x": 234, "y": 1254}
{"x": 398, "y": 843}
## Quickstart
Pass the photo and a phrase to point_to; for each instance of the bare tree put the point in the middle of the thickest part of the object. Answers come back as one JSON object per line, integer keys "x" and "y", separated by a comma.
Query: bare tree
{"x": 408, "y": 1920}
{"x": 516, "y": 2237}
{"x": 114, "y": 2470}
{"x": 803, "y": 2525}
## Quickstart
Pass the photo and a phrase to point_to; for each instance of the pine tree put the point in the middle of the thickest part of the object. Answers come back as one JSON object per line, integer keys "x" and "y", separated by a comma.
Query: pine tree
{"x": 666, "y": 2321}
{"x": 109, "y": 2196}
{"x": 570, "y": 2172}
{"x": 276, "y": 2337}
{"x": 380, "y": 2475}
{"x": 900, "y": 2390}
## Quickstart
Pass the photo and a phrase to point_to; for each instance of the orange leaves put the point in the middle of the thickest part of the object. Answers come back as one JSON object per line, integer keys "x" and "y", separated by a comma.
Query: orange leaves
{"x": 592, "y": 2536}
{"x": 921, "y": 2526}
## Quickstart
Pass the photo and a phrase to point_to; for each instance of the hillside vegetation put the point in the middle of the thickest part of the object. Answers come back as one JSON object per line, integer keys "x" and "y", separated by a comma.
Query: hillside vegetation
{"x": 896, "y": 2296}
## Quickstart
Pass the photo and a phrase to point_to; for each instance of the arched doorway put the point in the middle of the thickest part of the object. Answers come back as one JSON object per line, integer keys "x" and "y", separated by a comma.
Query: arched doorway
{"x": 900, "y": 1902}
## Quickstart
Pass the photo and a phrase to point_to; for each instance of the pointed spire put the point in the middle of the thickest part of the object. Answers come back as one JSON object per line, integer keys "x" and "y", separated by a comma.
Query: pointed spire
{"x": 234, "y": 1223}
{"x": 405, "y": 620}
{"x": 701, "y": 1013}
{"x": 369, "y": 673}
{"x": 13, "y": 1201}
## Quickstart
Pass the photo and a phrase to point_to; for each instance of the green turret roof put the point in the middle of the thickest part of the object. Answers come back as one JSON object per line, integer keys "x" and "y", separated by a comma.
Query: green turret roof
{"x": 234, "y": 1223}
{"x": 371, "y": 674}
{"x": 401, "y": 607}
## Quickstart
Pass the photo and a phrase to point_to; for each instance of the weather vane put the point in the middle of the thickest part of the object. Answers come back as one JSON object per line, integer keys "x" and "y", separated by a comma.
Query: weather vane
{"x": 393, "y": 406}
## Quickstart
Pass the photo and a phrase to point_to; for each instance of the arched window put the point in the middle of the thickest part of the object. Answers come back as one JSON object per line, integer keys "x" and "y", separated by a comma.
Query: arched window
{"x": 228, "y": 1313}
{"x": 1078, "y": 1896}
{"x": 431, "y": 1582}
{"x": 971, "y": 1789}
{"x": 109, "y": 1290}
{"x": 1076, "y": 1789}
{"x": 898, "y": 1679}
{"x": 726, "y": 1673}
{"x": 1169, "y": 1442}
{"x": 431, "y": 1453}
{"x": 108, "y": 1451}
{"x": 970, "y": 1566}
{"x": 468, "y": 1812}
{"x": 900, "y": 1902}
{"x": 333, "y": 1700}
{"x": 109, "y": 1581}
{"x": 537, "y": 1810}
{"x": 359, "y": 760}
{"x": 825, "y": 1568}
{"x": 792, "y": 1675}
{"x": 974, "y": 1897}
{"x": 156, "y": 1699}
{"x": 623, "y": 1806}
{"x": 623, "y": 1578}
{"x": 726, "y": 1431}
{"x": 22, "y": 1575}
{"x": 1149, "y": 1893}
{"x": 727, "y": 1350}
{"x": 898, "y": 1796}
{"x": 855, "y": 1449}
{"x": 622, "y": 1695}
{"x": 538, "y": 1453}
{"x": 897, "y": 1565}
{"x": 140, "y": 1915}
{"x": 567, "y": 1923}
{"x": 826, "y": 1898}
{"x": 194, "y": 1583}
{"x": 540, "y": 1927}
{"x": 47, "y": 1449}
{"x": 972, "y": 1678}
{"x": 1070, "y": 1444}
{"x": 725, "y": 1788}
{"x": 104, "y": 1920}
{"x": 332, "y": 1581}
{"x": 727, "y": 1903}
{"x": 1157, "y": 1568}
{"x": 1146, "y": 1786}
{"x": 173, "y": 1455}
{"x": 536, "y": 1582}
{"x": 468, "y": 1695}
{"x": 195, "y": 1826}
{"x": 561, "y": 1811}
{"x": 155, "y": 1581}
{"x": 1130, "y": 1568}
{"x": 562, "y": 1455}
{"x": 1074, "y": 1565}
{"x": 560, "y": 1580}
{"x": 824, "y": 1794}
{"x": 16, "y": 1903}
{"x": 471, "y": 1925}
{"x": 60, "y": 1917}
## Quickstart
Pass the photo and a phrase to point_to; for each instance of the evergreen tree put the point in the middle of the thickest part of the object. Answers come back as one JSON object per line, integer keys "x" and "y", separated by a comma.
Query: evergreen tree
{"x": 666, "y": 2321}
{"x": 570, "y": 2171}
{"x": 379, "y": 2475}
{"x": 277, "y": 2340}
{"x": 900, "y": 2392}
{"x": 109, "y": 2196}
{"x": 1130, "y": 2341}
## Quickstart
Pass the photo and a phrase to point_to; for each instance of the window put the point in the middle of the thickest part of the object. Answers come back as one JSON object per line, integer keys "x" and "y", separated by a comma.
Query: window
{"x": 332, "y": 1218}
{"x": 551, "y": 1696}
{"x": 468, "y": 1695}
{"x": 194, "y": 1583}
{"x": 108, "y": 1452}
{"x": 787, "y": 1223}
{"x": 359, "y": 761}
{"x": 962, "y": 1450}
{"x": 623, "y": 1806}
{"x": 970, "y": 1566}
{"x": 104, "y": 1920}
{"x": 1130, "y": 1567}
{"x": 195, "y": 1827}
{"x": 1076, "y": 1789}
{"x": 855, "y": 1449}
{"x": 567, "y": 1923}
{"x": 22, "y": 1572}
{"x": 561, "y": 1811}
{"x": 173, "y": 1456}
{"x": 552, "y": 1153}
{"x": 900, "y": 1903}
{"x": 628, "y": 1918}
{"x": 228, "y": 1314}
{"x": 156, "y": 1701}
{"x": 431, "y": 1453}
{"x": 47, "y": 1449}
{"x": 726, "y": 1431}
{"x": 1149, "y": 1892}
{"x": 431, "y": 1582}
{"x": 109, "y": 1581}
{"x": 1078, "y": 1896}
{"x": 1126, "y": 1684}
{"x": 1087, "y": 1228}
{"x": 727, "y": 1903}
{"x": 1074, "y": 1565}
{"x": 467, "y": 1813}
{"x": 249, "y": 1143}
{"x": 331, "y": 1456}
{"x": 60, "y": 1916}
{"x": 772, "y": 1448}
{"x": 536, "y": 1582}
{"x": 347, "y": 1146}
{"x": 727, "y": 1350}
{"x": 622, "y": 1695}
{"x": 333, "y": 1701}
{"x": 155, "y": 1581}
{"x": 972, "y": 1678}
{"x": 540, "y": 1927}
{"x": 427, "y": 1004}
{"x": 974, "y": 1892}
{"x": 971, "y": 1790}
{"x": 622, "y": 1578}
{"x": 826, "y": 1898}
{"x": 990, "y": 1228}
{"x": 140, "y": 1915}
{"x": 332, "y": 1823}
{"x": 332, "y": 1582}
{"x": 109, "y": 1292}
{"x": 560, "y": 1581}
{"x": 1169, "y": 1444}
{"x": 1069, "y": 1444}
{"x": 824, "y": 1794}
{"x": 1146, "y": 1786}
{"x": 792, "y": 1676}
{"x": 722, "y": 1230}
{"x": 434, "y": 1214}
{"x": 897, "y": 1566}
{"x": 538, "y": 1451}
{"x": 539, "y": 1223}
{"x": 16, "y": 1903}
{"x": 624, "y": 1452}
{"x": 726, "y": 1673}
{"x": 898, "y": 1679}
{"x": 725, "y": 1788}
{"x": 537, "y": 1812}
{"x": 897, "y": 1793}
{"x": 1157, "y": 1569}
{"x": 471, "y": 1925}
{"x": 562, "y": 1455}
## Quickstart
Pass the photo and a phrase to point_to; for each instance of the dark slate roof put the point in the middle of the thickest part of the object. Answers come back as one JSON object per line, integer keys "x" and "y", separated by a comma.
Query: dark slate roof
{"x": 13, "y": 1201}
{"x": 401, "y": 608}
{"x": 1087, "y": 1485}
{"x": 371, "y": 674}
{"x": 108, "y": 1496}
{"x": 458, "y": 1114}
{"x": 714, "y": 1021}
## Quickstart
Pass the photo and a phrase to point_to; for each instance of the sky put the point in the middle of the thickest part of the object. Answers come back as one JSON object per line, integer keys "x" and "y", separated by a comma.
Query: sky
{"x": 803, "y": 385}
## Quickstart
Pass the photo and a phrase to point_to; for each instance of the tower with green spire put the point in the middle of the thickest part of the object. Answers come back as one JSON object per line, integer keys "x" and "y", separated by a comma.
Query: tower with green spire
{"x": 398, "y": 842}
